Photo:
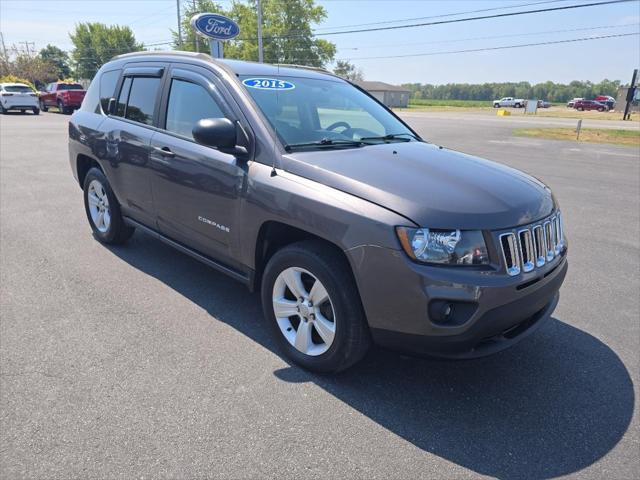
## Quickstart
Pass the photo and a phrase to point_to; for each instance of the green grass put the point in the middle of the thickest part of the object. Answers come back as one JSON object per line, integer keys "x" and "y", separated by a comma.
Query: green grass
{"x": 426, "y": 102}
{"x": 591, "y": 135}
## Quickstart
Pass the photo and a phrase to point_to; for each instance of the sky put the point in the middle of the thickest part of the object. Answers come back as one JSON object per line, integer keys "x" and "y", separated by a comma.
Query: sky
{"x": 49, "y": 21}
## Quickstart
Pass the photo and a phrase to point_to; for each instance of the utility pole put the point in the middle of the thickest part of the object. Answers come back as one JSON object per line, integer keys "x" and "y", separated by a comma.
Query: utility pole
{"x": 196, "y": 41}
{"x": 4, "y": 48}
{"x": 631, "y": 93}
{"x": 26, "y": 45}
{"x": 260, "y": 53}
{"x": 179, "y": 25}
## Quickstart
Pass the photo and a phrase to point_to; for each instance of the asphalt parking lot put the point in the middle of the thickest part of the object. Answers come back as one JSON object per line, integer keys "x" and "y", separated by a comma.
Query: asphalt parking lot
{"x": 137, "y": 361}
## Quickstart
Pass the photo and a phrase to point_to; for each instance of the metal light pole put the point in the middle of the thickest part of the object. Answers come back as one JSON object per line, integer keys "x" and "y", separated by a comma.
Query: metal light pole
{"x": 179, "y": 25}
{"x": 630, "y": 96}
{"x": 260, "y": 53}
{"x": 196, "y": 41}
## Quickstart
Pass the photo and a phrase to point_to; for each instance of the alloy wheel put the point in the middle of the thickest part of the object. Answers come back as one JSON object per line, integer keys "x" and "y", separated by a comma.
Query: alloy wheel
{"x": 99, "y": 206}
{"x": 303, "y": 311}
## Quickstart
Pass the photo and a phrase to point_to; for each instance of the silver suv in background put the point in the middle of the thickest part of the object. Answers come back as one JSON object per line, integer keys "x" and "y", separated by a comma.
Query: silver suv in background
{"x": 299, "y": 184}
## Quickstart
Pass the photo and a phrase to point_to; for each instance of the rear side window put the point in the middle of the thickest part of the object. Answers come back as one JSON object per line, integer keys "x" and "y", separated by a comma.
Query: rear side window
{"x": 188, "y": 103}
{"x": 142, "y": 99}
{"x": 108, "y": 82}
{"x": 124, "y": 97}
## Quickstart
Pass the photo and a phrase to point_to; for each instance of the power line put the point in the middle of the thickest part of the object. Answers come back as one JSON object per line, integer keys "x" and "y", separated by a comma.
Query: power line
{"x": 504, "y": 47}
{"x": 413, "y": 19}
{"x": 492, "y": 37}
{"x": 481, "y": 17}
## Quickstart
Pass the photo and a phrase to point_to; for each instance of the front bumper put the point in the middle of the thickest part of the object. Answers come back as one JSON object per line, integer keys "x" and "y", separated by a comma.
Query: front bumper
{"x": 497, "y": 311}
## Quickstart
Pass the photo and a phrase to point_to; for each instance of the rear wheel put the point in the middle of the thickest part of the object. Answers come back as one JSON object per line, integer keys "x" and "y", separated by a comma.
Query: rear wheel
{"x": 517, "y": 105}
{"x": 2, "y": 110}
{"x": 311, "y": 302}
{"x": 601, "y": 109}
{"x": 103, "y": 209}
{"x": 580, "y": 109}
{"x": 36, "y": 111}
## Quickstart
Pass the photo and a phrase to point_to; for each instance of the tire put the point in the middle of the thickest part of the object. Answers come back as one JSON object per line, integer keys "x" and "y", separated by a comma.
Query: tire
{"x": 111, "y": 231}
{"x": 22, "y": 112}
{"x": 61, "y": 107}
{"x": 36, "y": 111}
{"x": 580, "y": 109}
{"x": 496, "y": 105}
{"x": 2, "y": 110}
{"x": 43, "y": 107}
{"x": 517, "y": 105}
{"x": 601, "y": 109}
{"x": 341, "y": 313}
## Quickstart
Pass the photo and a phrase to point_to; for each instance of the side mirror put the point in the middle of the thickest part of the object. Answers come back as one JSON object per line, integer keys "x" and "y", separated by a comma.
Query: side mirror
{"x": 215, "y": 132}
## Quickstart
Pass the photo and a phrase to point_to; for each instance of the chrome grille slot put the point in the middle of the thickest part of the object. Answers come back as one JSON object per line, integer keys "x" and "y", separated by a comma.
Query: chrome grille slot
{"x": 511, "y": 253}
{"x": 533, "y": 246}
{"x": 548, "y": 240}
{"x": 526, "y": 247}
{"x": 557, "y": 221}
{"x": 539, "y": 246}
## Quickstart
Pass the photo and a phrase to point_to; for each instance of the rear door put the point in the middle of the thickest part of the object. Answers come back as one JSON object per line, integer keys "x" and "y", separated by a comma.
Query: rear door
{"x": 128, "y": 133}
{"x": 196, "y": 188}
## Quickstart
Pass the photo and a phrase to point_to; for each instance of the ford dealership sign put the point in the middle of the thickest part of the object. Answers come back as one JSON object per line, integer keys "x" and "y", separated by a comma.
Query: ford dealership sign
{"x": 213, "y": 25}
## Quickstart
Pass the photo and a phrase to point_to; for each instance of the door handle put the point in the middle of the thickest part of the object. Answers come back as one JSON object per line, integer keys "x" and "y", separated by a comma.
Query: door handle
{"x": 164, "y": 151}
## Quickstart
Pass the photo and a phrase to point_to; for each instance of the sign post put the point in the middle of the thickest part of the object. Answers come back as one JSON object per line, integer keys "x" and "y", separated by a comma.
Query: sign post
{"x": 216, "y": 28}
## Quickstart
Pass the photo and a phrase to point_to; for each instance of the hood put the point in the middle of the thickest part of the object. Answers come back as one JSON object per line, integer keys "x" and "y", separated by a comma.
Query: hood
{"x": 432, "y": 186}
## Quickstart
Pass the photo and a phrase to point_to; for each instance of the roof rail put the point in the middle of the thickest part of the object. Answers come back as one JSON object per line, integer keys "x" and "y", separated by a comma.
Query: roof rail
{"x": 146, "y": 53}
{"x": 304, "y": 67}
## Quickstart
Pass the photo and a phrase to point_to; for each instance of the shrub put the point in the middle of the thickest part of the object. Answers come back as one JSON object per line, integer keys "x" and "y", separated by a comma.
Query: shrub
{"x": 14, "y": 79}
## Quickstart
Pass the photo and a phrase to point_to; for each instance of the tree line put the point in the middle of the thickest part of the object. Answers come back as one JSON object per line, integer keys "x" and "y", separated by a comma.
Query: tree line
{"x": 550, "y": 91}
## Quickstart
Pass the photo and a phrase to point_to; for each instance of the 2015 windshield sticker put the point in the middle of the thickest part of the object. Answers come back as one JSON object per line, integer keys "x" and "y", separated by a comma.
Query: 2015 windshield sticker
{"x": 268, "y": 84}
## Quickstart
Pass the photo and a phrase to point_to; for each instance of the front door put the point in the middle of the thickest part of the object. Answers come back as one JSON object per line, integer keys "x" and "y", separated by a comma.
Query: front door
{"x": 195, "y": 188}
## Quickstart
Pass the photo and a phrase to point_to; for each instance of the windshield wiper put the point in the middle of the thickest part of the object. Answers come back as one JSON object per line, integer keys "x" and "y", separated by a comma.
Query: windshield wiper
{"x": 393, "y": 136}
{"x": 325, "y": 142}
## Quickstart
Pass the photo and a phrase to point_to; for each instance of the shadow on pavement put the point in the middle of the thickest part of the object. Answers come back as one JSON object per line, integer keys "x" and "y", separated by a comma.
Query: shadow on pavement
{"x": 550, "y": 406}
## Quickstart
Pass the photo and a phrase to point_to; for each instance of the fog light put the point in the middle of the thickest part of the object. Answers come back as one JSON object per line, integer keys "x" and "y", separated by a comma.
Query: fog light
{"x": 445, "y": 312}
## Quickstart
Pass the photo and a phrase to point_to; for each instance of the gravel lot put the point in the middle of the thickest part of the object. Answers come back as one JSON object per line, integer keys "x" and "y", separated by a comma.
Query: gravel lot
{"x": 138, "y": 362}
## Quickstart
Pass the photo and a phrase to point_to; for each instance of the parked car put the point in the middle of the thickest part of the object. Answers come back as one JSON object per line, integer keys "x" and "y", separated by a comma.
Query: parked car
{"x": 610, "y": 102}
{"x": 65, "y": 96}
{"x": 571, "y": 103}
{"x": 543, "y": 104}
{"x": 18, "y": 96}
{"x": 352, "y": 227}
{"x": 509, "y": 102}
{"x": 590, "y": 105}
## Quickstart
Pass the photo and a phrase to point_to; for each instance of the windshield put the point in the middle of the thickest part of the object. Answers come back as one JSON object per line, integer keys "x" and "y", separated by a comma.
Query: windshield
{"x": 313, "y": 113}
{"x": 18, "y": 89}
{"x": 69, "y": 86}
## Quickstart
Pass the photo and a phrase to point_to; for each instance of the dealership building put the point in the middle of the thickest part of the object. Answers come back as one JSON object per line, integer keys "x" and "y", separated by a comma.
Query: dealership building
{"x": 390, "y": 95}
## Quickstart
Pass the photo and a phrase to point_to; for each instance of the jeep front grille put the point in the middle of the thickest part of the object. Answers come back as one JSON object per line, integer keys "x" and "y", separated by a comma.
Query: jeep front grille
{"x": 532, "y": 246}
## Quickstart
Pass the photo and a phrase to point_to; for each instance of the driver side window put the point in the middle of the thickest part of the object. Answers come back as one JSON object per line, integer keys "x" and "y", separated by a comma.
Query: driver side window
{"x": 188, "y": 103}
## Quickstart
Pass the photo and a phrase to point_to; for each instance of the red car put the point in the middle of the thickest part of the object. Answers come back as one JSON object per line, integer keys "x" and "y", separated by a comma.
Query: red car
{"x": 65, "y": 96}
{"x": 590, "y": 105}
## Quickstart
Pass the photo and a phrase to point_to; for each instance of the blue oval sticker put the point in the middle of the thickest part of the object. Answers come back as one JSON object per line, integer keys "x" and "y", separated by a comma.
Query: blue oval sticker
{"x": 215, "y": 26}
{"x": 268, "y": 84}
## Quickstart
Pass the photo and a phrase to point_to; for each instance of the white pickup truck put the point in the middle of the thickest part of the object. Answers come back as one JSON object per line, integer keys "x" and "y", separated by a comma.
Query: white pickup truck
{"x": 509, "y": 102}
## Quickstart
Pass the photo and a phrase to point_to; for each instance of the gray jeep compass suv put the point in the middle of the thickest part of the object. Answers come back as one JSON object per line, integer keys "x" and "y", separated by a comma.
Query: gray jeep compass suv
{"x": 296, "y": 182}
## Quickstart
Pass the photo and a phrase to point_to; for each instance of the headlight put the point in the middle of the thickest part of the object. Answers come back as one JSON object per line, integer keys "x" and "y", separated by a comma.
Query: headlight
{"x": 450, "y": 247}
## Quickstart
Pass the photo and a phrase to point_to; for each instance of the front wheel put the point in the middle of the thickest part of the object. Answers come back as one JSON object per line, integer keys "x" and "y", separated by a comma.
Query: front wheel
{"x": 103, "y": 209}
{"x": 496, "y": 105}
{"x": 580, "y": 109}
{"x": 311, "y": 302}
{"x": 601, "y": 109}
{"x": 517, "y": 105}
{"x": 43, "y": 107}
{"x": 61, "y": 107}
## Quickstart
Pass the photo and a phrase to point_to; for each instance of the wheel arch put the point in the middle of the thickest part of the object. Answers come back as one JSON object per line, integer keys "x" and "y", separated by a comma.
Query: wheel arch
{"x": 84, "y": 163}
{"x": 274, "y": 235}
